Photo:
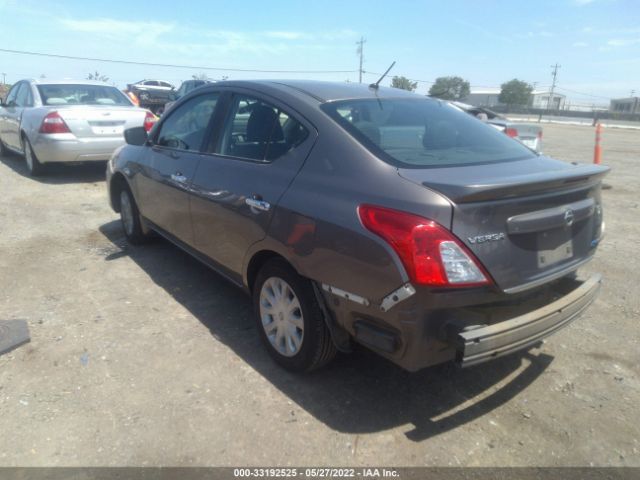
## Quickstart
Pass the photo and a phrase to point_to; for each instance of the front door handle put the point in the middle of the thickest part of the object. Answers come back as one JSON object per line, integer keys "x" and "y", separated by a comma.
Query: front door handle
{"x": 257, "y": 203}
{"x": 178, "y": 177}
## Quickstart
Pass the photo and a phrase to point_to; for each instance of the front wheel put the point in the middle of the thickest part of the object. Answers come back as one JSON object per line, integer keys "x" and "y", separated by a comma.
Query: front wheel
{"x": 33, "y": 164}
{"x": 289, "y": 319}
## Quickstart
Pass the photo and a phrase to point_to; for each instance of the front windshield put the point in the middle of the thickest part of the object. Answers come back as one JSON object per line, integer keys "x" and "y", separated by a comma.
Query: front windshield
{"x": 422, "y": 133}
{"x": 78, "y": 94}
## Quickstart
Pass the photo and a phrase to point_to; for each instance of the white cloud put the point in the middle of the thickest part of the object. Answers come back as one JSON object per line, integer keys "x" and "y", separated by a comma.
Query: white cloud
{"x": 141, "y": 32}
{"x": 622, "y": 42}
{"x": 580, "y": 44}
{"x": 541, "y": 33}
{"x": 285, "y": 35}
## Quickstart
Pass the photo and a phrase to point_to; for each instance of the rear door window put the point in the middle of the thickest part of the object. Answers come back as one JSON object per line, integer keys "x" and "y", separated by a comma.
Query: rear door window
{"x": 13, "y": 93}
{"x": 420, "y": 132}
{"x": 257, "y": 130}
{"x": 24, "y": 97}
{"x": 186, "y": 126}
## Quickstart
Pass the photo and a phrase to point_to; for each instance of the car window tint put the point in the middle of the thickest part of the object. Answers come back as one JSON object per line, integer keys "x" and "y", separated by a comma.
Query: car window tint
{"x": 11, "y": 96}
{"x": 79, "y": 94}
{"x": 185, "y": 127}
{"x": 422, "y": 133}
{"x": 24, "y": 97}
{"x": 164, "y": 84}
{"x": 257, "y": 130}
{"x": 21, "y": 97}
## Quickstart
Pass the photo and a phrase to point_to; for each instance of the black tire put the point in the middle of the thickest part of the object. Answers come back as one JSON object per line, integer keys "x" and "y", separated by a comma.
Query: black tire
{"x": 132, "y": 225}
{"x": 34, "y": 166}
{"x": 316, "y": 348}
{"x": 4, "y": 151}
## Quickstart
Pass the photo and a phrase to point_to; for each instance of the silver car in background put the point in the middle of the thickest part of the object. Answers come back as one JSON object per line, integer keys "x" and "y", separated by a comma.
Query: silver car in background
{"x": 529, "y": 134}
{"x": 66, "y": 121}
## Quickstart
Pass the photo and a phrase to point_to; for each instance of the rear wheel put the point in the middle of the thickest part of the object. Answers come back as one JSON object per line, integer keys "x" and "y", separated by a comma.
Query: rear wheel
{"x": 33, "y": 164}
{"x": 3, "y": 150}
{"x": 130, "y": 218}
{"x": 289, "y": 319}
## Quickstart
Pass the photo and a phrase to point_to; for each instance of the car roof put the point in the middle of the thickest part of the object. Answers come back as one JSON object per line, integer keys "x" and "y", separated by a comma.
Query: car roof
{"x": 324, "y": 91}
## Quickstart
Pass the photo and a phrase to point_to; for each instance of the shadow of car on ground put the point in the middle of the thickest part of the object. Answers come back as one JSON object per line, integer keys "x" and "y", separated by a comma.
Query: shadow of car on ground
{"x": 357, "y": 393}
{"x": 58, "y": 174}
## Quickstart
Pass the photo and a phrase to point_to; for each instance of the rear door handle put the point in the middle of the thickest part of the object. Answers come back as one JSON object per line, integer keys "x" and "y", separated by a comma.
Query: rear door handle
{"x": 178, "y": 177}
{"x": 257, "y": 203}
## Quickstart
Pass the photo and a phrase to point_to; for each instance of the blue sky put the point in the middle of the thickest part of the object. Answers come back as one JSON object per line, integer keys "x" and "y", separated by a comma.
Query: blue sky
{"x": 597, "y": 42}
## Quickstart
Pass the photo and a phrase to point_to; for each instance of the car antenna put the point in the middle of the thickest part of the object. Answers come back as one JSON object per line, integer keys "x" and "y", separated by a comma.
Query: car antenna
{"x": 377, "y": 84}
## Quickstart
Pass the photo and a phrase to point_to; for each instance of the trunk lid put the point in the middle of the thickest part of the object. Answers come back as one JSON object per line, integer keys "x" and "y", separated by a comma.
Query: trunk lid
{"x": 101, "y": 121}
{"x": 526, "y": 221}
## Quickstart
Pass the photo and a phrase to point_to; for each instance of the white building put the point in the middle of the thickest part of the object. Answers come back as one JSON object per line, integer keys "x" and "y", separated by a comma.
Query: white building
{"x": 540, "y": 99}
{"x": 483, "y": 97}
{"x": 488, "y": 97}
{"x": 625, "y": 105}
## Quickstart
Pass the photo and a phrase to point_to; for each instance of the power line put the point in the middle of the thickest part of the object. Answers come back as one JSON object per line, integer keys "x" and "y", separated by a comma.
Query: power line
{"x": 149, "y": 64}
{"x": 582, "y": 93}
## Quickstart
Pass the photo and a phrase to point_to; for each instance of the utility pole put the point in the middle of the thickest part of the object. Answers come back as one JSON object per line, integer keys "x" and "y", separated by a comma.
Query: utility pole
{"x": 360, "y": 52}
{"x": 4, "y": 78}
{"x": 554, "y": 74}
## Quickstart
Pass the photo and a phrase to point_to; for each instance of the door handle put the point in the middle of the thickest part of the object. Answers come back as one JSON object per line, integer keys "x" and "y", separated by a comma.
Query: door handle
{"x": 257, "y": 203}
{"x": 178, "y": 177}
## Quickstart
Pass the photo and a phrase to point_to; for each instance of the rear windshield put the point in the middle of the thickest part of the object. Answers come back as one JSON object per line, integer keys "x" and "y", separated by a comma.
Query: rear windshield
{"x": 63, "y": 94}
{"x": 419, "y": 133}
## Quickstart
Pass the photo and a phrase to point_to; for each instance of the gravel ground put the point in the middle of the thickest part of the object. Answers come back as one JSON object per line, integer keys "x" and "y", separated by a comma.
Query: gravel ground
{"x": 142, "y": 356}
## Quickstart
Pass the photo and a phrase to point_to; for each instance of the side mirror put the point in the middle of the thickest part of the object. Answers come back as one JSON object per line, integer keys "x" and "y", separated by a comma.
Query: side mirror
{"x": 136, "y": 136}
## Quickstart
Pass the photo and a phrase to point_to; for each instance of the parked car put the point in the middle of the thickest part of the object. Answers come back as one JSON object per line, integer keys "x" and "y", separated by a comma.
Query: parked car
{"x": 186, "y": 87}
{"x": 369, "y": 215}
{"x": 153, "y": 94}
{"x": 60, "y": 121}
{"x": 529, "y": 134}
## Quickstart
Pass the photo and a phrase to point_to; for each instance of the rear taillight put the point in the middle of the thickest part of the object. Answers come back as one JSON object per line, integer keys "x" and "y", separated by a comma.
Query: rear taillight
{"x": 512, "y": 132}
{"x": 429, "y": 252}
{"x": 149, "y": 121}
{"x": 540, "y": 135}
{"x": 53, "y": 123}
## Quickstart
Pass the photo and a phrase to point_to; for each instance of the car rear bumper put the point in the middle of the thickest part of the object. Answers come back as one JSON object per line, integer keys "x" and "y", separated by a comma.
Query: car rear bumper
{"x": 68, "y": 148}
{"x": 468, "y": 327}
{"x": 485, "y": 343}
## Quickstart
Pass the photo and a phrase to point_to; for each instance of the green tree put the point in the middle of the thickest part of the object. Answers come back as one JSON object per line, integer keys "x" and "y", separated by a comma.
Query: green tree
{"x": 403, "y": 83}
{"x": 97, "y": 76}
{"x": 515, "y": 92}
{"x": 450, "y": 88}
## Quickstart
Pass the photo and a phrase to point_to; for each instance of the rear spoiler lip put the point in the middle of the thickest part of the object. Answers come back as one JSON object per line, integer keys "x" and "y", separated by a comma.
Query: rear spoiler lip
{"x": 502, "y": 188}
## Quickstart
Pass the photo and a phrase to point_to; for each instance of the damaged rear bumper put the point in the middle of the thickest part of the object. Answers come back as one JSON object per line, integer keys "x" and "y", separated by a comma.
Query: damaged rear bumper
{"x": 484, "y": 343}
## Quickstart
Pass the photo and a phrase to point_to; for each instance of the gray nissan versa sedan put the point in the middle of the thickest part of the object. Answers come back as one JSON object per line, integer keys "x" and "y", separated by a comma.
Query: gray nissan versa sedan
{"x": 353, "y": 213}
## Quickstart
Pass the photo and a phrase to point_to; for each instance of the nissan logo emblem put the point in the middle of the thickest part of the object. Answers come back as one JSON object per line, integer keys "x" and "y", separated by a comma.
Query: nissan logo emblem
{"x": 568, "y": 217}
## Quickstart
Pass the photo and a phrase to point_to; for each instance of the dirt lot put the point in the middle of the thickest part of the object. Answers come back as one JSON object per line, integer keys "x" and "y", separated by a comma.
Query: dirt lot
{"x": 141, "y": 356}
